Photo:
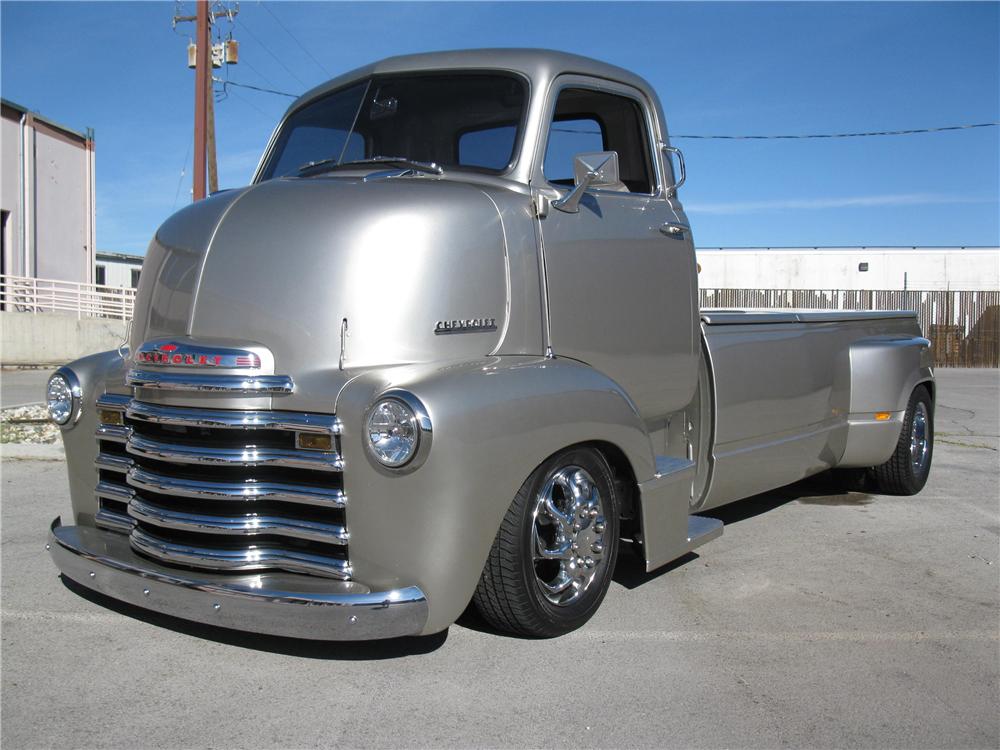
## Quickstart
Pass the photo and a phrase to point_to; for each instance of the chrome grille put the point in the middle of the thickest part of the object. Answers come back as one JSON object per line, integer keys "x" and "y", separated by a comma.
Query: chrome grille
{"x": 224, "y": 490}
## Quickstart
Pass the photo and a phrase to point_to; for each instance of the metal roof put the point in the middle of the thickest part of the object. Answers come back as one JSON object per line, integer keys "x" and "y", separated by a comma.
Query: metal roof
{"x": 119, "y": 257}
{"x": 51, "y": 123}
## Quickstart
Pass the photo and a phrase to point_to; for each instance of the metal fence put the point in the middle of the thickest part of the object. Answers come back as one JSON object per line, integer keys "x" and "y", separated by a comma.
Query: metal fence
{"x": 963, "y": 327}
{"x": 26, "y": 294}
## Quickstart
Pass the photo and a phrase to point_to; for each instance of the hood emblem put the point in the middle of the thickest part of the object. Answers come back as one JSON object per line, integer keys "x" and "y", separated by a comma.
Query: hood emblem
{"x": 467, "y": 325}
{"x": 176, "y": 354}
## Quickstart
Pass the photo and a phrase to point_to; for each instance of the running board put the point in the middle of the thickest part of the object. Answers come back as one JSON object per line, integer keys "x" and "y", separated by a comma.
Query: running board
{"x": 702, "y": 530}
{"x": 668, "y": 529}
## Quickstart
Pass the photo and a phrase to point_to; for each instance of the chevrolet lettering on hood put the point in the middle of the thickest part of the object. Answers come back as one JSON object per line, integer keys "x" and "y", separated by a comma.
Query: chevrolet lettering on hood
{"x": 468, "y": 325}
{"x": 174, "y": 354}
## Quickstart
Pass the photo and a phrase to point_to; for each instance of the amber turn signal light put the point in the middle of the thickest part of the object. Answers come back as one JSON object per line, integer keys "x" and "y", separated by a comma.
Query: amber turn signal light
{"x": 308, "y": 441}
{"x": 882, "y": 416}
{"x": 110, "y": 416}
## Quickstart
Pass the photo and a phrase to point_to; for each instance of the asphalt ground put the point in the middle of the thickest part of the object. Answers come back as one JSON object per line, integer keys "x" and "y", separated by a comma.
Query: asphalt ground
{"x": 819, "y": 619}
{"x": 20, "y": 387}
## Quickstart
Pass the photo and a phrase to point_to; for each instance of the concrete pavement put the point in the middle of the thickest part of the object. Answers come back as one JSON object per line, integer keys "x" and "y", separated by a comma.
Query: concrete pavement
{"x": 819, "y": 619}
{"x": 19, "y": 387}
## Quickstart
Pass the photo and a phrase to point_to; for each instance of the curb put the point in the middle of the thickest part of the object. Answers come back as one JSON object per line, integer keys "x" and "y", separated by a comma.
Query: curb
{"x": 32, "y": 452}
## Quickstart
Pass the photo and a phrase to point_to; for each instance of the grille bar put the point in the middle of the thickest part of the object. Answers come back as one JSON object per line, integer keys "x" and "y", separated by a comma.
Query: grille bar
{"x": 248, "y": 490}
{"x": 113, "y": 463}
{"x": 245, "y": 420}
{"x": 113, "y": 433}
{"x": 109, "y": 519}
{"x": 247, "y": 524}
{"x": 256, "y": 557}
{"x": 237, "y": 384}
{"x": 115, "y": 492}
{"x": 247, "y": 457}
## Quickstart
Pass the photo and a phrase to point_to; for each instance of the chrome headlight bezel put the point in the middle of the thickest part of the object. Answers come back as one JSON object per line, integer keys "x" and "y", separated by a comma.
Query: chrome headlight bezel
{"x": 421, "y": 421}
{"x": 75, "y": 392}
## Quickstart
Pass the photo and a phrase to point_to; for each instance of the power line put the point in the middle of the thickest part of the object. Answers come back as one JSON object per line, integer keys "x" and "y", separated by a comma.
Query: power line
{"x": 180, "y": 179}
{"x": 836, "y": 135}
{"x": 296, "y": 40}
{"x": 226, "y": 82}
{"x": 268, "y": 50}
{"x": 911, "y": 131}
{"x": 246, "y": 62}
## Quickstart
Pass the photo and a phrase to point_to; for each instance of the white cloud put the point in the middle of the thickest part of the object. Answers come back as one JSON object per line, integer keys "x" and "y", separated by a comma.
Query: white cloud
{"x": 859, "y": 201}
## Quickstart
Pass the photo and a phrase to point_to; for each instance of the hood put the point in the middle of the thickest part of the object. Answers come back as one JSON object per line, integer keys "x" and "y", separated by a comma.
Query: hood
{"x": 416, "y": 266}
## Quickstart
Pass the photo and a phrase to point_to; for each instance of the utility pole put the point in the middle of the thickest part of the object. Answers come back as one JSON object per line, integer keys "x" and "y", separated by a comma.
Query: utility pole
{"x": 203, "y": 56}
{"x": 202, "y": 73}
{"x": 213, "y": 166}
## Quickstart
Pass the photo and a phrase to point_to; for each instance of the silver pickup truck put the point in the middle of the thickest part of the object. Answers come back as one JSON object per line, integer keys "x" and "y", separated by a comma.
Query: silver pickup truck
{"x": 446, "y": 348}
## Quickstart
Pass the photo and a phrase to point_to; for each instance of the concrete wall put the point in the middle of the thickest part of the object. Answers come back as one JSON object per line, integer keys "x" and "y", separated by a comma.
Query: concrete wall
{"x": 929, "y": 269}
{"x": 51, "y": 338}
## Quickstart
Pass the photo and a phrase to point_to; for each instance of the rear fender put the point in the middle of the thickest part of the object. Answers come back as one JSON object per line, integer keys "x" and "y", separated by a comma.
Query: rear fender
{"x": 883, "y": 373}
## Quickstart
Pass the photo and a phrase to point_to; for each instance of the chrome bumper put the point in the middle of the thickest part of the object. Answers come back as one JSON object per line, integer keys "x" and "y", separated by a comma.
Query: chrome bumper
{"x": 277, "y": 604}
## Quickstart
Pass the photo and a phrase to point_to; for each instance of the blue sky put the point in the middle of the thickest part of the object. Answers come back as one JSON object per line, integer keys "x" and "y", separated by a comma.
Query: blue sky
{"x": 720, "y": 68}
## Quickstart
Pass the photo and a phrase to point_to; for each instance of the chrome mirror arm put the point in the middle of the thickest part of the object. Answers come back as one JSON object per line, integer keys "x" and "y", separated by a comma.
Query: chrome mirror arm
{"x": 571, "y": 203}
{"x": 672, "y": 190}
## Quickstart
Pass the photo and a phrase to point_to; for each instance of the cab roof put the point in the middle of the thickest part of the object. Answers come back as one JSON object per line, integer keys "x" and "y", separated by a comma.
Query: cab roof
{"x": 540, "y": 66}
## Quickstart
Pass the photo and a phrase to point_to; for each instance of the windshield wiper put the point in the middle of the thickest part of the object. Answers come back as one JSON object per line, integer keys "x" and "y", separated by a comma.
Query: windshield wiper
{"x": 332, "y": 163}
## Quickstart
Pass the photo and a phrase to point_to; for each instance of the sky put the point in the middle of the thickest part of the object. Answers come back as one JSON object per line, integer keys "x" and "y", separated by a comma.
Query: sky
{"x": 719, "y": 68}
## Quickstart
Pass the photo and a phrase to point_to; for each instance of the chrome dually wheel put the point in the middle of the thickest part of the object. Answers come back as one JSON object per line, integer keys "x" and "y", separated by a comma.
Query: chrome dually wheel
{"x": 906, "y": 472}
{"x": 553, "y": 556}
{"x": 919, "y": 438}
{"x": 568, "y": 535}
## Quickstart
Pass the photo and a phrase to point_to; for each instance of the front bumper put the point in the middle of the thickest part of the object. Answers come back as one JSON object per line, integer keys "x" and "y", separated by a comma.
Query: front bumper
{"x": 285, "y": 604}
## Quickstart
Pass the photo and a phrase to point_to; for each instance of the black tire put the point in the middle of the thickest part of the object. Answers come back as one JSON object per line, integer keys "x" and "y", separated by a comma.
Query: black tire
{"x": 510, "y": 593}
{"x": 903, "y": 474}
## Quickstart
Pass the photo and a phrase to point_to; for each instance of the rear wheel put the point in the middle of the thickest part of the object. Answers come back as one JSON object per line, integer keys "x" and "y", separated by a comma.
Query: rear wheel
{"x": 907, "y": 471}
{"x": 552, "y": 559}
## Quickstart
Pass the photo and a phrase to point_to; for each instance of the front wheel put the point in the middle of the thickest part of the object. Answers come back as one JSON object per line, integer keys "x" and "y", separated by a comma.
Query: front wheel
{"x": 552, "y": 559}
{"x": 906, "y": 472}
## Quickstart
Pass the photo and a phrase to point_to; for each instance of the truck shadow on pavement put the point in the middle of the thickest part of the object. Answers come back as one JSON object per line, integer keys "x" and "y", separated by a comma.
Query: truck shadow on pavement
{"x": 331, "y": 650}
{"x": 828, "y": 488}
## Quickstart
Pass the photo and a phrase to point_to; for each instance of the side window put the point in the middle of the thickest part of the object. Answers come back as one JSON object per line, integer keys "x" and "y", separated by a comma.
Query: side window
{"x": 488, "y": 147}
{"x": 587, "y": 120}
{"x": 566, "y": 139}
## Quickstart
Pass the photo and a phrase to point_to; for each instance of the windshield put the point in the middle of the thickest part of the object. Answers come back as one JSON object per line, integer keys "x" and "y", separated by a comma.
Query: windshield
{"x": 465, "y": 120}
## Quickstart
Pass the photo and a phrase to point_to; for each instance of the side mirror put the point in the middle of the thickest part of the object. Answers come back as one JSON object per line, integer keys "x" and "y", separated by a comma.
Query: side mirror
{"x": 597, "y": 169}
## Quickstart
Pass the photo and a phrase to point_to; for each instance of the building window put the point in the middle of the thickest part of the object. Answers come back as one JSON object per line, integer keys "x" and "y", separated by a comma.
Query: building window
{"x": 135, "y": 277}
{"x": 102, "y": 276}
{"x": 862, "y": 266}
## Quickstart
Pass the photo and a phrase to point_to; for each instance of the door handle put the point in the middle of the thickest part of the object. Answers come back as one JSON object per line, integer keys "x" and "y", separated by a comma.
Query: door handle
{"x": 672, "y": 229}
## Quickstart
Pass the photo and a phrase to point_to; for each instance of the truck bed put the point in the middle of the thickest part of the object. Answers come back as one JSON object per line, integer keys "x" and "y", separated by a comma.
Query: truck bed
{"x": 788, "y": 386}
{"x": 730, "y": 317}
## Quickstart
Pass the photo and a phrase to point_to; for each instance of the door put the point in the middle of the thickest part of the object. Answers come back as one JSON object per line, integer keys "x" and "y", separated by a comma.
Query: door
{"x": 620, "y": 284}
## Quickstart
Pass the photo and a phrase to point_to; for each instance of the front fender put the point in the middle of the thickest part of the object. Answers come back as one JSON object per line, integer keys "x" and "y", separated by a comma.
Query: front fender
{"x": 494, "y": 421}
{"x": 96, "y": 373}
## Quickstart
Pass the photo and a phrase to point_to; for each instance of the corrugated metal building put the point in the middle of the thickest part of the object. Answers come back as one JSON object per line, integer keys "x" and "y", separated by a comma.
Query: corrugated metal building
{"x": 47, "y": 197}
{"x": 852, "y": 268}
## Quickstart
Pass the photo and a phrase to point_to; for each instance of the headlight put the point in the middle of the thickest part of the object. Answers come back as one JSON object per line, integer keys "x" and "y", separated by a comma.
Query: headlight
{"x": 62, "y": 397}
{"x": 399, "y": 431}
